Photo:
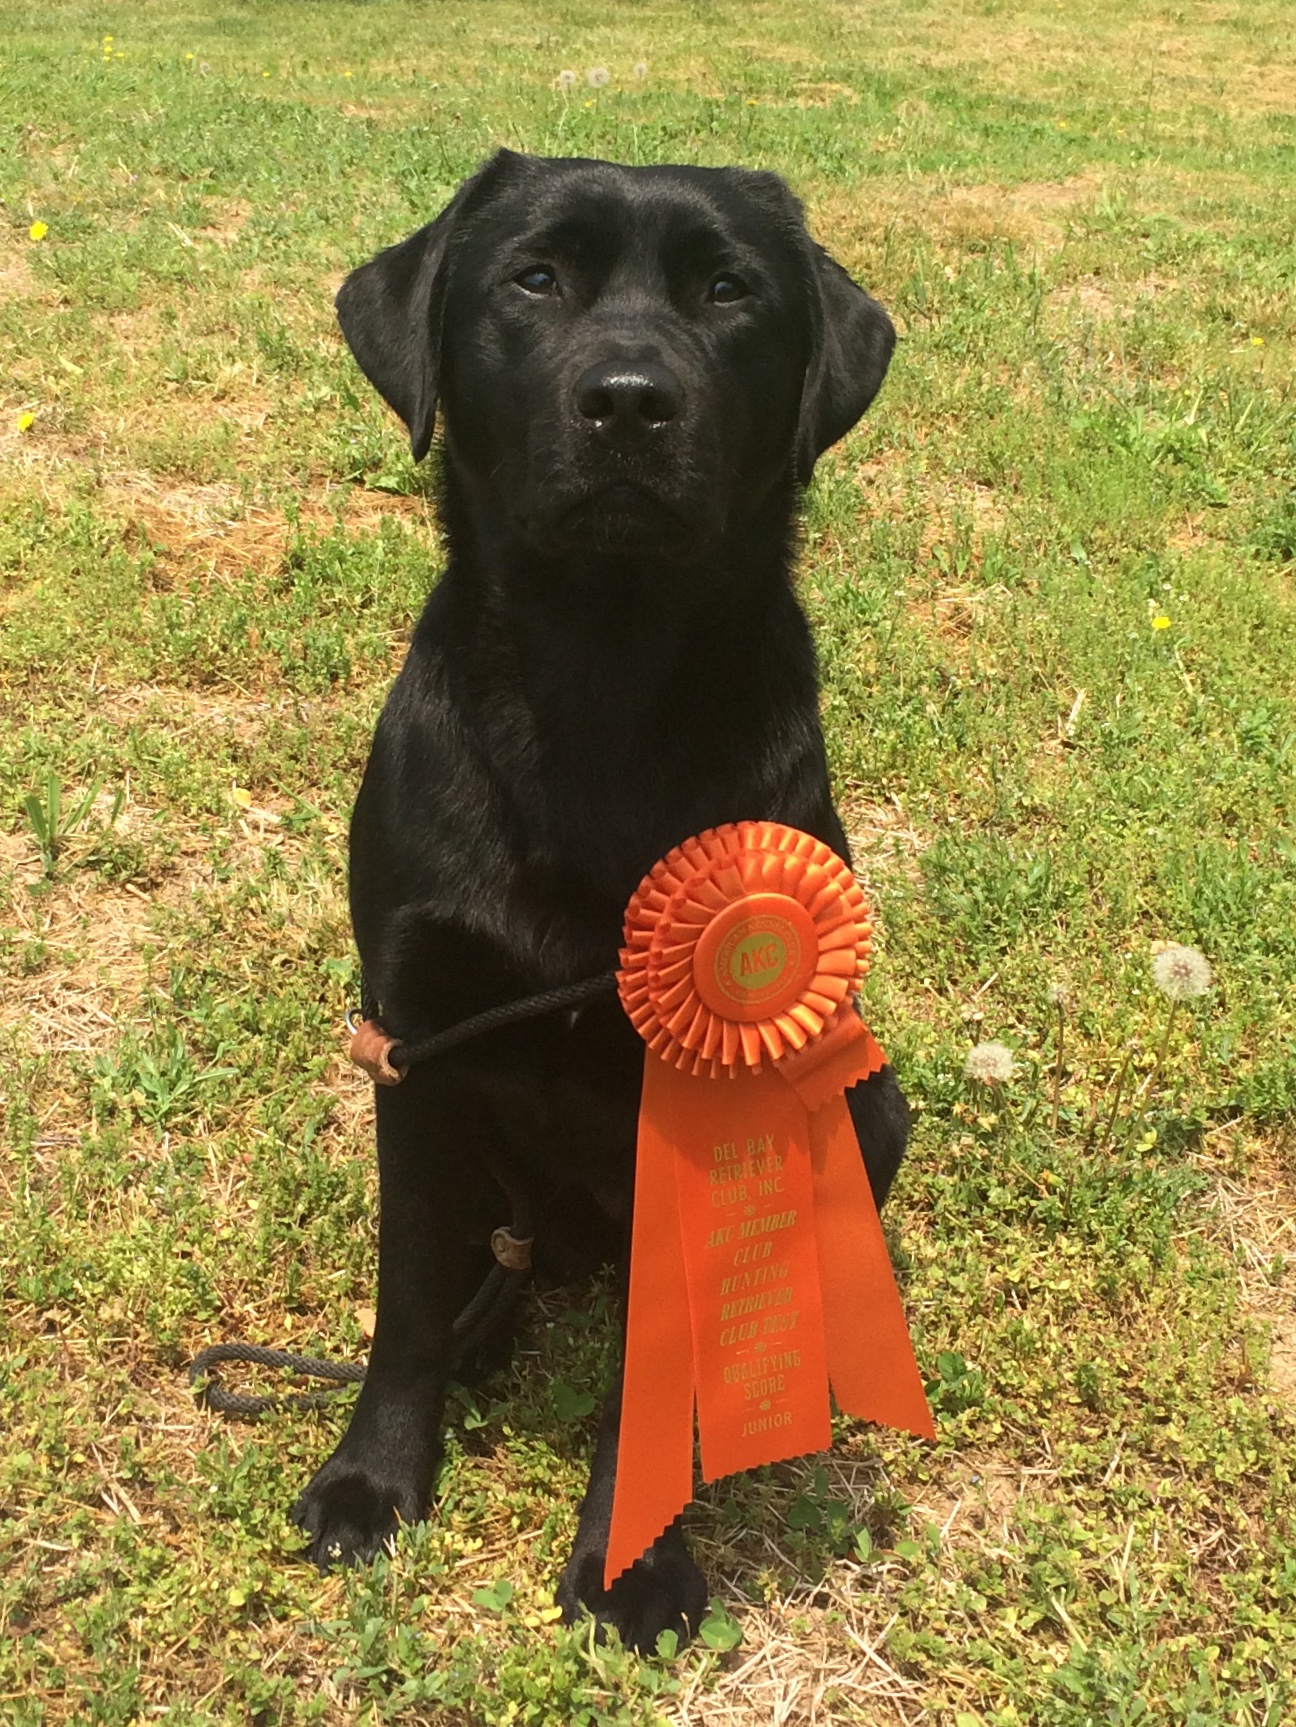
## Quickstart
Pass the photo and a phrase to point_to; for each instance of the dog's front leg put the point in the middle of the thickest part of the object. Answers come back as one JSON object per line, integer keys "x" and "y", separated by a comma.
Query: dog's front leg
{"x": 663, "y": 1591}
{"x": 381, "y": 1475}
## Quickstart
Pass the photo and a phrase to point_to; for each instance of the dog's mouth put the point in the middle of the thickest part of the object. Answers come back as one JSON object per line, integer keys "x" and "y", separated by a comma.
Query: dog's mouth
{"x": 624, "y": 516}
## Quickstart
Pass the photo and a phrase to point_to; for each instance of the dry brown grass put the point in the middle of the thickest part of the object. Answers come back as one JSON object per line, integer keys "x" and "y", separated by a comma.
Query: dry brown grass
{"x": 1232, "y": 61}
{"x": 1032, "y": 213}
{"x": 807, "y": 1659}
{"x": 882, "y": 838}
{"x": 98, "y": 941}
{"x": 16, "y": 279}
{"x": 1255, "y": 1214}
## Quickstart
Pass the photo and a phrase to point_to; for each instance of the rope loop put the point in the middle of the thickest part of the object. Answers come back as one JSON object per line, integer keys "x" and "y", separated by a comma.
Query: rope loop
{"x": 215, "y": 1396}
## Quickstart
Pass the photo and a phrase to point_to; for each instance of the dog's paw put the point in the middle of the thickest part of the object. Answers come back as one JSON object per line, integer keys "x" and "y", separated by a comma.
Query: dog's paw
{"x": 349, "y": 1515}
{"x": 663, "y": 1591}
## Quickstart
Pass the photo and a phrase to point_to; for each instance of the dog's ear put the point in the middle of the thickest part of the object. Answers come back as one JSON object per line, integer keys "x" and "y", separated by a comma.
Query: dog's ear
{"x": 853, "y": 340}
{"x": 390, "y": 312}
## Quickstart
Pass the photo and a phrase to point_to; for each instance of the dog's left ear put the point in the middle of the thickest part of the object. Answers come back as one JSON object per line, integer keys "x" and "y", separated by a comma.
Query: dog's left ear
{"x": 852, "y": 350}
{"x": 390, "y": 311}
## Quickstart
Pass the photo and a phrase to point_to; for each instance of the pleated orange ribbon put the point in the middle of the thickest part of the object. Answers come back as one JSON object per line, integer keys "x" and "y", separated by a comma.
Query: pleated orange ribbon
{"x": 759, "y": 1275}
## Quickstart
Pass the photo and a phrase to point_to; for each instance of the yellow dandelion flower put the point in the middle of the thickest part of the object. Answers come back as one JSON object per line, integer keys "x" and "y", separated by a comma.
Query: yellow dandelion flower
{"x": 1160, "y": 622}
{"x": 38, "y": 230}
{"x": 1257, "y": 341}
{"x": 188, "y": 56}
{"x": 26, "y": 421}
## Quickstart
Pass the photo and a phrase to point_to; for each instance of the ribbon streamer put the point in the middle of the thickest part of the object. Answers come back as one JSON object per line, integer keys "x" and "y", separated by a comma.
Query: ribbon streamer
{"x": 759, "y": 1274}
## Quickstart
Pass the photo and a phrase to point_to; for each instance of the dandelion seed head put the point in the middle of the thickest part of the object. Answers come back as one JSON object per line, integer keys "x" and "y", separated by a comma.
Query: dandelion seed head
{"x": 596, "y": 77}
{"x": 989, "y": 1064}
{"x": 641, "y": 68}
{"x": 1181, "y": 972}
{"x": 1059, "y": 995}
{"x": 566, "y": 80}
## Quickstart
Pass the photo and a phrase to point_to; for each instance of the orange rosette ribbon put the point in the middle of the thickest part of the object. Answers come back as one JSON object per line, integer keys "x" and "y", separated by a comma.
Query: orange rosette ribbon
{"x": 759, "y": 1275}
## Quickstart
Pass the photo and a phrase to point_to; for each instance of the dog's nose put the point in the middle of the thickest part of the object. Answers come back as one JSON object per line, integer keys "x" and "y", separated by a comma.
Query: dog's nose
{"x": 629, "y": 398}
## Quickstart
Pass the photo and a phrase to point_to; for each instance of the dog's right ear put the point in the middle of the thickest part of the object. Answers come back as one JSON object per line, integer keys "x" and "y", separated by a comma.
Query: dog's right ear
{"x": 390, "y": 313}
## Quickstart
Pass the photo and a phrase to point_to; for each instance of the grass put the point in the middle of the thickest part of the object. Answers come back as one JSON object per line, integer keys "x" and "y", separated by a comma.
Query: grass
{"x": 212, "y": 546}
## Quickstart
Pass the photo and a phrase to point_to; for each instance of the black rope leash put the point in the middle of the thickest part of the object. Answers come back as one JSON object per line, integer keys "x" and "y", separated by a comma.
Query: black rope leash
{"x": 568, "y": 995}
{"x": 512, "y": 1247}
{"x": 215, "y": 1396}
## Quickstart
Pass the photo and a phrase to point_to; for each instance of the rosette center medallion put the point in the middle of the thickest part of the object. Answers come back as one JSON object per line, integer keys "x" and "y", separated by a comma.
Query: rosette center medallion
{"x": 756, "y": 956}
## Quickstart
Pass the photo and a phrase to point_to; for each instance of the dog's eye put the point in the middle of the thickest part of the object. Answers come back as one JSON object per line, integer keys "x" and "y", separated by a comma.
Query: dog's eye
{"x": 537, "y": 280}
{"x": 726, "y": 289}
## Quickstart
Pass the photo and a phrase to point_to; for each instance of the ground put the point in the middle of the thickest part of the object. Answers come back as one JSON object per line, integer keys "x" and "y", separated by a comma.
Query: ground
{"x": 1051, "y": 576}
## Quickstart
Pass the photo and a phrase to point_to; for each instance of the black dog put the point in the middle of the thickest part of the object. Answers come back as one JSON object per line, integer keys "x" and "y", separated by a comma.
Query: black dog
{"x": 637, "y": 369}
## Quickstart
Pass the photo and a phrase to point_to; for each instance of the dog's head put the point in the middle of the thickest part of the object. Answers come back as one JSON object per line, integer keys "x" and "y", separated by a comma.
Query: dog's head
{"x": 625, "y": 358}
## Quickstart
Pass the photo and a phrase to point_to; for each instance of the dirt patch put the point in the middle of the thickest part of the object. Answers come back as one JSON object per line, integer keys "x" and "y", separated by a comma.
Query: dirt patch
{"x": 823, "y": 95}
{"x": 953, "y": 614}
{"x": 1033, "y": 212}
{"x": 882, "y": 839}
{"x": 1104, "y": 301}
{"x": 1282, "y": 1357}
{"x": 97, "y": 942}
{"x": 1089, "y": 299}
{"x": 210, "y": 530}
{"x": 350, "y": 1131}
{"x": 804, "y": 1659}
{"x": 946, "y": 600}
{"x": 228, "y": 219}
{"x": 1256, "y": 1217}
{"x": 1266, "y": 89}
{"x": 975, "y": 1502}
{"x": 200, "y": 530}
{"x": 188, "y": 711}
{"x": 36, "y": 456}
{"x": 82, "y": 954}
{"x": 16, "y": 279}
{"x": 816, "y": 1655}
{"x": 785, "y": 53}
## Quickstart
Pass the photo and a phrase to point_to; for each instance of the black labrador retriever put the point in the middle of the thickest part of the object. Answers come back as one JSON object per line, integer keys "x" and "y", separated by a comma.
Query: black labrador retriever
{"x": 636, "y": 369}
